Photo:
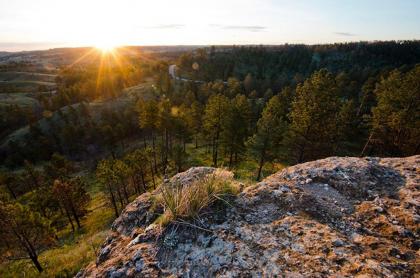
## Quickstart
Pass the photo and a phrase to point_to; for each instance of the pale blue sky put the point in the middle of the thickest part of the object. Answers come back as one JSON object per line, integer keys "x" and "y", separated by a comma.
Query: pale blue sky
{"x": 29, "y": 24}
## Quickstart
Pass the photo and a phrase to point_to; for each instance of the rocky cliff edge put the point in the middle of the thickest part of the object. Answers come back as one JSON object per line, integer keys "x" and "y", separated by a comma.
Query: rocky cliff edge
{"x": 335, "y": 217}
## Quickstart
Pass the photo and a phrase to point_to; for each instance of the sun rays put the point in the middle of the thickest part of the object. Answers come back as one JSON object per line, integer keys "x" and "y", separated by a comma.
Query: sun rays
{"x": 106, "y": 47}
{"x": 111, "y": 67}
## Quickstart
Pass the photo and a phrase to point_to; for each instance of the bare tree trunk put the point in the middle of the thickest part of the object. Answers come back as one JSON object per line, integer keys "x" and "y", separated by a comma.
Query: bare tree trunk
{"x": 144, "y": 141}
{"x": 33, "y": 255}
{"x": 76, "y": 217}
{"x": 230, "y": 159}
{"x": 36, "y": 263}
{"x": 125, "y": 193}
{"x": 262, "y": 160}
{"x": 142, "y": 180}
{"x": 301, "y": 154}
{"x": 261, "y": 165}
{"x": 69, "y": 218}
{"x": 134, "y": 182}
{"x": 367, "y": 144}
{"x": 114, "y": 203}
{"x": 153, "y": 177}
{"x": 166, "y": 144}
{"x": 34, "y": 180}
{"x": 216, "y": 148}
{"x": 11, "y": 191}
{"x": 154, "y": 151}
{"x": 120, "y": 197}
{"x": 29, "y": 249}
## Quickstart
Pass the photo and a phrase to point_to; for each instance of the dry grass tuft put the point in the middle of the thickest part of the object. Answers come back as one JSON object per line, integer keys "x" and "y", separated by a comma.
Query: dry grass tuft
{"x": 188, "y": 202}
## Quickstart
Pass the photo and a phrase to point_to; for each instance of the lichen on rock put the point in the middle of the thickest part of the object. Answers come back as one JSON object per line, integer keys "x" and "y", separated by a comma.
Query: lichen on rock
{"x": 341, "y": 217}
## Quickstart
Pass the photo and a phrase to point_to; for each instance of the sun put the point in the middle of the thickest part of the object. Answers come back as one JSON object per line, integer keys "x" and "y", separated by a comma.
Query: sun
{"x": 105, "y": 47}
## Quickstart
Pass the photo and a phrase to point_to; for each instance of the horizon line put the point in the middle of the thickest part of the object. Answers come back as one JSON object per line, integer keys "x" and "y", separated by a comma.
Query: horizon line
{"x": 204, "y": 45}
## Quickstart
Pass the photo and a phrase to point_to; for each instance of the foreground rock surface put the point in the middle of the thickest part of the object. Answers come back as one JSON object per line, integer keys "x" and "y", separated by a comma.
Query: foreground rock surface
{"x": 336, "y": 217}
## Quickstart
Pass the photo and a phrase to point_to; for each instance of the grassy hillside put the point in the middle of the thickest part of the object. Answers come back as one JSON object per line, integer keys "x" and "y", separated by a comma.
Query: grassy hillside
{"x": 25, "y": 86}
{"x": 96, "y": 111}
{"x": 21, "y": 99}
{"x": 18, "y": 82}
{"x": 27, "y": 76}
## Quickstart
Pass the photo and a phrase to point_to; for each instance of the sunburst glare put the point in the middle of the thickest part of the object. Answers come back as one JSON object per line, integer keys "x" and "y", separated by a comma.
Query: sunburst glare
{"x": 104, "y": 43}
{"x": 105, "y": 47}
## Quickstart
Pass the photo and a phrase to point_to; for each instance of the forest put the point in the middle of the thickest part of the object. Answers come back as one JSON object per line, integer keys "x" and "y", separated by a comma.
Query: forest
{"x": 116, "y": 127}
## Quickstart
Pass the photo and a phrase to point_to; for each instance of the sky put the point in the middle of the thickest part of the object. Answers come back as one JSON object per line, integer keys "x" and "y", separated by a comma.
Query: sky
{"x": 41, "y": 24}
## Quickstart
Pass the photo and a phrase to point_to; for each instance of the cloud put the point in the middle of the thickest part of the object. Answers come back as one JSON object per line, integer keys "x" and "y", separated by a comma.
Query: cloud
{"x": 250, "y": 28}
{"x": 346, "y": 34}
{"x": 167, "y": 26}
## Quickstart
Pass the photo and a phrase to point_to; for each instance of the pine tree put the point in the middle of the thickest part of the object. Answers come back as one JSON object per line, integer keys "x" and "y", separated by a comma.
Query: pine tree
{"x": 42, "y": 200}
{"x": 314, "y": 129}
{"x": 72, "y": 196}
{"x": 395, "y": 120}
{"x": 194, "y": 120}
{"x": 149, "y": 153}
{"x": 249, "y": 83}
{"x": 148, "y": 120}
{"x": 265, "y": 143}
{"x": 106, "y": 176}
{"x": 233, "y": 87}
{"x": 109, "y": 137}
{"x": 367, "y": 99}
{"x": 122, "y": 173}
{"x": 165, "y": 124}
{"x": 6, "y": 181}
{"x": 58, "y": 167}
{"x": 181, "y": 127}
{"x": 179, "y": 156}
{"x": 23, "y": 231}
{"x": 236, "y": 124}
{"x": 138, "y": 162}
{"x": 31, "y": 175}
{"x": 216, "y": 109}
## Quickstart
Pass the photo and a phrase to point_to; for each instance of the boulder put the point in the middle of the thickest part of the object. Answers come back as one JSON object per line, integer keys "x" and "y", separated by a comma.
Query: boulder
{"x": 335, "y": 217}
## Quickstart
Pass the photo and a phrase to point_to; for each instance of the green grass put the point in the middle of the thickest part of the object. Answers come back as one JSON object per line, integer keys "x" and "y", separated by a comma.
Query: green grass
{"x": 245, "y": 170}
{"x": 64, "y": 261}
{"x": 199, "y": 156}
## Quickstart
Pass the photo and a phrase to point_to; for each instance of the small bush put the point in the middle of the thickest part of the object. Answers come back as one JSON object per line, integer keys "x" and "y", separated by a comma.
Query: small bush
{"x": 188, "y": 202}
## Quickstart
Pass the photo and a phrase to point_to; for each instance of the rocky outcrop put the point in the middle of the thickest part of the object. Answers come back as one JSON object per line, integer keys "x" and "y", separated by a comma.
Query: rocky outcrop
{"x": 336, "y": 217}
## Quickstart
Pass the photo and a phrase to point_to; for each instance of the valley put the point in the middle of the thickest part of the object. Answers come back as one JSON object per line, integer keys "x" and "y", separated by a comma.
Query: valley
{"x": 91, "y": 141}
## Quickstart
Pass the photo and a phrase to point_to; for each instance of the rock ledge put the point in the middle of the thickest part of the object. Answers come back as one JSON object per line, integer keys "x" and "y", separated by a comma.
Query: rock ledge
{"x": 340, "y": 217}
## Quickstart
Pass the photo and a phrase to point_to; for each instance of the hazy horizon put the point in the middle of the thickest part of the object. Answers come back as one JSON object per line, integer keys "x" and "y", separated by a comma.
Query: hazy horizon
{"x": 34, "y": 47}
{"x": 30, "y": 25}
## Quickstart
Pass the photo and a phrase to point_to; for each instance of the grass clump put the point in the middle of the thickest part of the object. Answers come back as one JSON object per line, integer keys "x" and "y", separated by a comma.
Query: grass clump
{"x": 188, "y": 202}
